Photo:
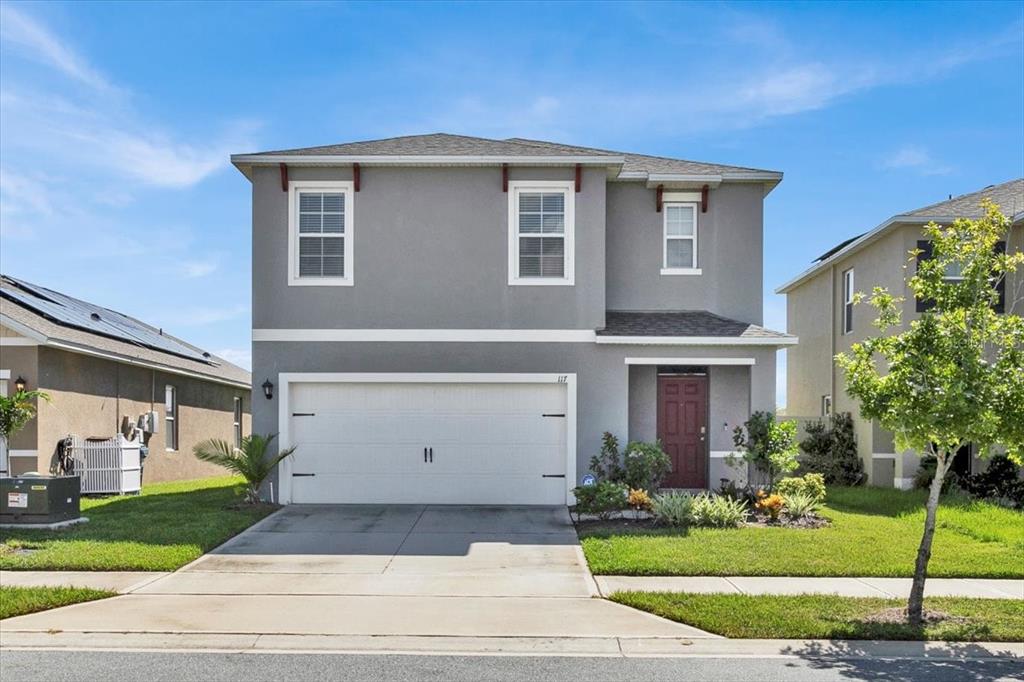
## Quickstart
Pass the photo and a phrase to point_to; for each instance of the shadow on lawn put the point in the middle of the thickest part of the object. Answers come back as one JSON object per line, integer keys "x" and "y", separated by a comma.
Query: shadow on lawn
{"x": 888, "y": 502}
{"x": 890, "y": 661}
{"x": 198, "y": 516}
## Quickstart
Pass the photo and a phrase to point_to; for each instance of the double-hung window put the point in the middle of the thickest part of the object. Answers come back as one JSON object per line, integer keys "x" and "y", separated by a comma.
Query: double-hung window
{"x": 171, "y": 417}
{"x": 679, "y": 252}
{"x": 541, "y": 232}
{"x": 848, "y": 301}
{"x": 320, "y": 231}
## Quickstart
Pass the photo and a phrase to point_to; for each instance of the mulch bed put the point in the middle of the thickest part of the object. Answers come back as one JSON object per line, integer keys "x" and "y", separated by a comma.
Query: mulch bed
{"x": 626, "y": 523}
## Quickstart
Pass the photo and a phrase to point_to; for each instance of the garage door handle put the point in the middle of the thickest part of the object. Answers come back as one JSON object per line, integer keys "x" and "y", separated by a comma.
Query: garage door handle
{"x": 303, "y": 414}
{"x": 424, "y": 455}
{"x": 553, "y": 415}
{"x": 299, "y": 475}
{"x": 552, "y": 475}
{"x": 431, "y": 455}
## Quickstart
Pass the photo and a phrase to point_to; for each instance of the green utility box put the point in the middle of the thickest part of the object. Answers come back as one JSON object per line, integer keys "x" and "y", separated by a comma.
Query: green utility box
{"x": 39, "y": 499}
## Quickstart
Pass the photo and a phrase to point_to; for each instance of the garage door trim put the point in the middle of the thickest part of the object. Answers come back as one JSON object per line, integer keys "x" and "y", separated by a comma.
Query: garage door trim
{"x": 286, "y": 379}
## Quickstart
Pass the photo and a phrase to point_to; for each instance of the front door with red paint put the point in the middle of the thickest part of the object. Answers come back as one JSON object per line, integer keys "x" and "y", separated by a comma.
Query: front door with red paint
{"x": 682, "y": 429}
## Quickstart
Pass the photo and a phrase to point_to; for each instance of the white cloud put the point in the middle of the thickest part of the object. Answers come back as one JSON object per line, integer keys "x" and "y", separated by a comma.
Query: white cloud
{"x": 917, "y": 158}
{"x": 197, "y": 268}
{"x": 238, "y": 356}
{"x": 34, "y": 41}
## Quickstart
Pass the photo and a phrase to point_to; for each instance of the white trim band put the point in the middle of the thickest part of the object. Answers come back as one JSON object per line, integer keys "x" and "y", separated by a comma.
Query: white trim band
{"x": 22, "y": 453}
{"x": 883, "y": 455}
{"x": 505, "y": 336}
{"x": 8, "y": 341}
{"x": 691, "y": 361}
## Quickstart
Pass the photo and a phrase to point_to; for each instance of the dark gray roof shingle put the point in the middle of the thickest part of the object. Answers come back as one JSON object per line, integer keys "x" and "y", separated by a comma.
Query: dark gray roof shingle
{"x": 682, "y": 323}
{"x": 1009, "y": 196}
{"x": 435, "y": 144}
{"x": 445, "y": 144}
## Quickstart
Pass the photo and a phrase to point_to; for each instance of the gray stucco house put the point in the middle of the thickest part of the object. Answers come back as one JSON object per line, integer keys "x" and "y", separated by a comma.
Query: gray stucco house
{"x": 820, "y": 310}
{"x": 448, "y": 319}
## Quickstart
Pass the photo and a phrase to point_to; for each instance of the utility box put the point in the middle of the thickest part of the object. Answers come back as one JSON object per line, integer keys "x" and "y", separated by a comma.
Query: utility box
{"x": 39, "y": 499}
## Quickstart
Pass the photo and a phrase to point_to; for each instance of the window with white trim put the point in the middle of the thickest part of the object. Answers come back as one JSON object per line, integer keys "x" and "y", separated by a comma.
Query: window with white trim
{"x": 320, "y": 228}
{"x": 541, "y": 233}
{"x": 848, "y": 301}
{"x": 238, "y": 421}
{"x": 171, "y": 417}
{"x": 679, "y": 250}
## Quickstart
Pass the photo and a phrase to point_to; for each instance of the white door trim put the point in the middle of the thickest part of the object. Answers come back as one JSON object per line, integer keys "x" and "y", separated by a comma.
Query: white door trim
{"x": 286, "y": 379}
{"x": 691, "y": 361}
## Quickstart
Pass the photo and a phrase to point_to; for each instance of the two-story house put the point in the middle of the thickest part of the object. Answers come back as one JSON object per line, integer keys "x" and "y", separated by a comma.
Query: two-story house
{"x": 820, "y": 310}
{"x": 449, "y": 319}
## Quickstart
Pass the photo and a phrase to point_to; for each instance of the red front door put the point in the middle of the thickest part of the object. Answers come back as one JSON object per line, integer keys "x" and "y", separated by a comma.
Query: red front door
{"x": 682, "y": 429}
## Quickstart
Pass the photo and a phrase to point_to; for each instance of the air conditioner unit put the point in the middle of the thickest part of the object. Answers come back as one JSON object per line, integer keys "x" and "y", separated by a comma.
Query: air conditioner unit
{"x": 108, "y": 465}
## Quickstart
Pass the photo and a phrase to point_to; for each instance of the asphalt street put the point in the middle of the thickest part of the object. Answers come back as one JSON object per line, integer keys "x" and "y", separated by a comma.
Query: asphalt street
{"x": 96, "y": 666}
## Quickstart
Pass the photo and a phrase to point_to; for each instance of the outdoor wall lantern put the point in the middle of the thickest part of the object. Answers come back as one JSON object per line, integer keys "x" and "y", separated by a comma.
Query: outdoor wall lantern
{"x": 20, "y": 383}
{"x": 268, "y": 389}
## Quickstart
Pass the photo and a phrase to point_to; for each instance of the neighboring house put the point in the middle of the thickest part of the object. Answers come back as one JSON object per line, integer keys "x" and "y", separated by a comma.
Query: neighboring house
{"x": 100, "y": 367}
{"x": 451, "y": 319}
{"x": 820, "y": 310}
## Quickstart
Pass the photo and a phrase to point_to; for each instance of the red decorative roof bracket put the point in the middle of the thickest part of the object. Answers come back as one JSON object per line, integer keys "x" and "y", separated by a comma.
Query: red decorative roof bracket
{"x": 504, "y": 177}
{"x": 579, "y": 177}
{"x": 284, "y": 178}
{"x": 658, "y": 193}
{"x": 355, "y": 176}
{"x": 704, "y": 199}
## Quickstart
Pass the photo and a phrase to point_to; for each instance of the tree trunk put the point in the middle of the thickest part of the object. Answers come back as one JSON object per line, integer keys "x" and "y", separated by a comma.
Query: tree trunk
{"x": 915, "y": 605}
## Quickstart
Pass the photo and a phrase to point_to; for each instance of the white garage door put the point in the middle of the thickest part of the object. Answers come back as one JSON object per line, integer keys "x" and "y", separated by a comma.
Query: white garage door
{"x": 440, "y": 443}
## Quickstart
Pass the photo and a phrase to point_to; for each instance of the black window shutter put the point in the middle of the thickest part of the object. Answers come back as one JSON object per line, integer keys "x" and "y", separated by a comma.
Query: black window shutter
{"x": 1000, "y": 306}
{"x": 925, "y": 248}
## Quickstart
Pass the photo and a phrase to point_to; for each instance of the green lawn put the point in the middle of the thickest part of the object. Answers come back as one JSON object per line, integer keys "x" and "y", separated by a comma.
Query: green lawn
{"x": 874, "y": 532}
{"x": 17, "y": 601}
{"x": 829, "y": 617}
{"x": 165, "y": 527}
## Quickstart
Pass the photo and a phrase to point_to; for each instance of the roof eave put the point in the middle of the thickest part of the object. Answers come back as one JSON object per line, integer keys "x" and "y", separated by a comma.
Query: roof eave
{"x": 637, "y": 340}
{"x": 770, "y": 179}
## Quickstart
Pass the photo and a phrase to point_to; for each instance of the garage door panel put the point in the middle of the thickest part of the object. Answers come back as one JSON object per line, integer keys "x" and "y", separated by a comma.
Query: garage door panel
{"x": 491, "y": 442}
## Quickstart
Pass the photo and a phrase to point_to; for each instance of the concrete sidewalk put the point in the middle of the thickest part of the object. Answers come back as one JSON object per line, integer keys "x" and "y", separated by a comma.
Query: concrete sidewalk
{"x": 846, "y": 587}
{"x": 121, "y": 582}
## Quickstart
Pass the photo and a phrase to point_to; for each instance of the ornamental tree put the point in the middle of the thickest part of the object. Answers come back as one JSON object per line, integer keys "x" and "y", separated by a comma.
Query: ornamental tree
{"x": 955, "y": 375}
{"x": 16, "y": 411}
{"x": 769, "y": 445}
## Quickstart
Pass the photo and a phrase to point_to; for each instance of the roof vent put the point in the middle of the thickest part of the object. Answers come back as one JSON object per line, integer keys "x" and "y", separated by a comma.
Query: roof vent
{"x": 205, "y": 354}
{"x": 95, "y": 316}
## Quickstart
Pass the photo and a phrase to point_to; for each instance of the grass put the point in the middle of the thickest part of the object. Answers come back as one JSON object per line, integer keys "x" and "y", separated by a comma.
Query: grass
{"x": 874, "y": 532}
{"x": 831, "y": 617}
{"x": 164, "y": 528}
{"x": 17, "y": 601}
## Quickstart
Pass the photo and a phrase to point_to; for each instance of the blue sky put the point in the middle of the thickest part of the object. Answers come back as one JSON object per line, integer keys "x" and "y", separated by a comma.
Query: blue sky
{"x": 117, "y": 120}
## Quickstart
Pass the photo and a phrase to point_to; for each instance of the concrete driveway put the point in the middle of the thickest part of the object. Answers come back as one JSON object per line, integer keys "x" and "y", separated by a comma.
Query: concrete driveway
{"x": 368, "y": 570}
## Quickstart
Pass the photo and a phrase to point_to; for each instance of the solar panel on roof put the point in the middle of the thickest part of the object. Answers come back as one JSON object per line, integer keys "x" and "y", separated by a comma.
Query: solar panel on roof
{"x": 71, "y": 312}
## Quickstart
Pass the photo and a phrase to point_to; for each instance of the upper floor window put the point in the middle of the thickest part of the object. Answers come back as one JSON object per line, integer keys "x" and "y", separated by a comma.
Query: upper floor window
{"x": 826, "y": 405}
{"x": 848, "y": 301}
{"x": 541, "y": 233}
{"x": 320, "y": 228}
{"x": 238, "y": 422}
{"x": 171, "y": 417}
{"x": 679, "y": 252}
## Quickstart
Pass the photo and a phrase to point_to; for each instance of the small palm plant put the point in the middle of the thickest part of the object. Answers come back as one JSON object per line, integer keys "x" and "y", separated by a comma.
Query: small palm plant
{"x": 249, "y": 460}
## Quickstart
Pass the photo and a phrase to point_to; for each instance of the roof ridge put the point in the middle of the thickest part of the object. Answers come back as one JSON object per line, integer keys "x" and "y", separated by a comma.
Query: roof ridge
{"x": 965, "y": 195}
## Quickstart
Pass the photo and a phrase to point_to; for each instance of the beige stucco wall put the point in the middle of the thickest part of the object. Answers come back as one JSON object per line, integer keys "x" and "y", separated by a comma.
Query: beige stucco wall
{"x": 90, "y": 396}
{"x": 21, "y": 361}
{"x": 814, "y": 313}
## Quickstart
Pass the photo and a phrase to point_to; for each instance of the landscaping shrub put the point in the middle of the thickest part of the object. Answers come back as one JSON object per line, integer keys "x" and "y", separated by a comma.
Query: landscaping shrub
{"x": 926, "y": 472}
{"x": 607, "y": 465}
{"x": 638, "y": 500}
{"x": 799, "y": 505}
{"x": 768, "y": 445}
{"x": 1000, "y": 483}
{"x": 733, "y": 491}
{"x": 811, "y": 485}
{"x": 602, "y": 498}
{"x": 642, "y": 466}
{"x": 770, "y": 505}
{"x": 673, "y": 508}
{"x": 831, "y": 450}
{"x": 716, "y": 511}
{"x": 646, "y": 465}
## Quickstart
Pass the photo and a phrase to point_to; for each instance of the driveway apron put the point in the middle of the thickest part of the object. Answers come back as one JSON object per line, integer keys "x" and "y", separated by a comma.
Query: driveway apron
{"x": 431, "y": 570}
